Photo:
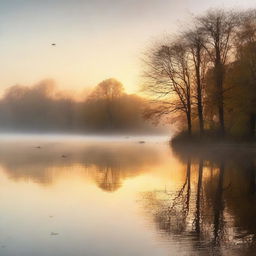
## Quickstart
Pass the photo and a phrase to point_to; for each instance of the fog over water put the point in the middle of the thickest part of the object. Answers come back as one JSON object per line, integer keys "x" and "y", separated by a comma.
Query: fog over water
{"x": 124, "y": 195}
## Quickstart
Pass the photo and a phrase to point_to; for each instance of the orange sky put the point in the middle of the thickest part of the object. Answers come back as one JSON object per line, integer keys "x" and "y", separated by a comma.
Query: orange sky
{"x": 95, "y": 39}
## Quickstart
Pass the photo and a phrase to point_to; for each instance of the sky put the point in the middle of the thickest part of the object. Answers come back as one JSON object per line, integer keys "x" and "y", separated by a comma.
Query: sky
{"x": 95, "y": 39}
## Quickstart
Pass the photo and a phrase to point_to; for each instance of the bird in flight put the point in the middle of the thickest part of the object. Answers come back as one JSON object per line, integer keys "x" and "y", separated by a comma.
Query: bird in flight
{"x": 53, "y": 44}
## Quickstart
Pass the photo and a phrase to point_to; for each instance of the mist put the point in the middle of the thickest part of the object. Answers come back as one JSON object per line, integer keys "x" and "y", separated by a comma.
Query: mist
{"x": 43, "y": 108}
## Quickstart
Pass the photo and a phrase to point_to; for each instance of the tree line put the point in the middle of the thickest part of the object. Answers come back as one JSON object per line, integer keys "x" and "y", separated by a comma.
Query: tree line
{"x": 42, "y": 108}
{"x": 205, "y": 76}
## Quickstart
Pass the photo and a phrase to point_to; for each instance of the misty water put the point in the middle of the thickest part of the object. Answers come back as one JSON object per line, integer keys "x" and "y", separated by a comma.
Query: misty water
{"x": 75, "y": 195}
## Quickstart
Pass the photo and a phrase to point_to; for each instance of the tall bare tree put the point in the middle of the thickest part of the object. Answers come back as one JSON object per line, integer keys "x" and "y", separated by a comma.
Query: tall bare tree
{"x": 168, "y": 80}
{"x": 199, "y": 61}
{"x": 218, "y": 28}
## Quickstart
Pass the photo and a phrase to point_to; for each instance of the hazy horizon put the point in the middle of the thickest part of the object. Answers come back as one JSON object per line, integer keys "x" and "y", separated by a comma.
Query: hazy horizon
{"x": 95, "y": 40}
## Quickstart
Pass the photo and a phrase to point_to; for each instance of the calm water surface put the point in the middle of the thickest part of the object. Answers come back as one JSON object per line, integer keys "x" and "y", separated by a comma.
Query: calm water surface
{"x": 118, "y": 197}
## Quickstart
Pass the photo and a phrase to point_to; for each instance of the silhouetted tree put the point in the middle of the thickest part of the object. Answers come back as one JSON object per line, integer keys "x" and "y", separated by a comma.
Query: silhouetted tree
{"x": 195, "y": 43}
{"x": 246, "y": 61}
{"x": 218, "y": 28}
{"x": 108, "y": 89}
{"x": 168, "y": 80}
{"x": 108, "y": 93}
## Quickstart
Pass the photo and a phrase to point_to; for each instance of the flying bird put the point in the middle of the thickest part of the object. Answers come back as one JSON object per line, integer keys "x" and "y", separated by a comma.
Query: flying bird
{"x": 53, "y": 44}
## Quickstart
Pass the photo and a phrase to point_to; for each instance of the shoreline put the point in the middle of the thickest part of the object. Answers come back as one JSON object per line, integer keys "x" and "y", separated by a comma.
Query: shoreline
{"x": 212, "y": 148}
{"x": 210, "y": 139}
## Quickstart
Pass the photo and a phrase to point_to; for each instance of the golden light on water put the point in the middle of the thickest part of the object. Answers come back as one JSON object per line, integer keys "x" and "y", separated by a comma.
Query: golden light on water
{"x": 77, "y": 194}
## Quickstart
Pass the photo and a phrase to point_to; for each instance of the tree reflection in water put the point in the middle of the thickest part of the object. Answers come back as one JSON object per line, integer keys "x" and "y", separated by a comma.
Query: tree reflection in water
{"x": 109, "y": 178}
{"x": 109, "y": 165}
{"x": 214, "y": 210}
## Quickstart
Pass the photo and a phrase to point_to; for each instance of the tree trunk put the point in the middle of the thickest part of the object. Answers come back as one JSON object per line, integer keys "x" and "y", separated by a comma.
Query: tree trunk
{"x": 219, "y": 75}
{"x": 252, "y": 124}
{"x": 189, "y": 123}
{"x": 199, "y": 93}
{"x": 252, "y": 184}
{"x": 219, "y": 78}
{"x": 200, "y": 113}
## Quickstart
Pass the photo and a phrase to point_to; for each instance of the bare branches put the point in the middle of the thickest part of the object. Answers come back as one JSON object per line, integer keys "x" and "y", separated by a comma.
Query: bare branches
{"x": 189, "y": 74}
{"x": 168, "y": 79}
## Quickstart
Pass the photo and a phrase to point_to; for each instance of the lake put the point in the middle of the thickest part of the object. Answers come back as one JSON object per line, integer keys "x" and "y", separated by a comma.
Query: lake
{"x": 129, "y": 196}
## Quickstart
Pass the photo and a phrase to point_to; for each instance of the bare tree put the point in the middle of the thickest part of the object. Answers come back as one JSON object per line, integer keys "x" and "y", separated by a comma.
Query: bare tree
{"x": 218, "y": 28}
{"x": 168, "y": 80}
{"x": 199, "y": 59}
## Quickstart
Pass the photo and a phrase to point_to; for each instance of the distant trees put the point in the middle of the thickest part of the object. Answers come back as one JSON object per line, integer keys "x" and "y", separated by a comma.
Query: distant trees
{"x": 43, "y": 108}
{"x": 35, "y": 108}
{"x": 109, "y": 109}
{"x": 107, "y": 97}
{"x": 192, "y": 74}
{"x": 108, "y": 89}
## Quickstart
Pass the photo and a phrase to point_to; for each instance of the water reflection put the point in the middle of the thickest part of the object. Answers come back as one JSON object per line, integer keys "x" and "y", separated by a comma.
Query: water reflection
{"x": 77, "y": 197}
{"x": 214, "y": 210}
{"x": 125, "y": 198}
{"x": 108, "y": 165}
